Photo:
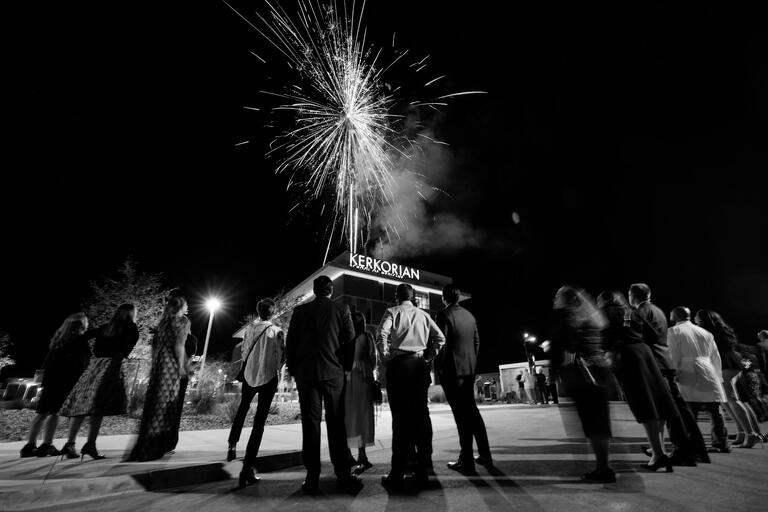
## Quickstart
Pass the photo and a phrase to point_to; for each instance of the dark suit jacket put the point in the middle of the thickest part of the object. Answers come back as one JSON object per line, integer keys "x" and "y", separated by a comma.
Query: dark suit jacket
{"x": 654, "y": 328}
{"x": 317, "y": 332}
{"x": 459, "y": 356}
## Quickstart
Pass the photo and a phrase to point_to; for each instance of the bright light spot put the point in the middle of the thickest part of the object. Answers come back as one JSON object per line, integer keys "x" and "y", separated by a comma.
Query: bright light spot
{"x": 516, "y": 217}
{"x": 212, "y": 304}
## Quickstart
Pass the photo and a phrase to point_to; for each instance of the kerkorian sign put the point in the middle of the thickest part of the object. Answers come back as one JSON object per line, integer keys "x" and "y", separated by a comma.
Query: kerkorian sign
{"x": 384, "y": 268}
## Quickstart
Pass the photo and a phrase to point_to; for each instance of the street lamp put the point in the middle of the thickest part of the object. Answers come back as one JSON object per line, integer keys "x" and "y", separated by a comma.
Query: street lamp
{"x": 212, "y": 304}
{"x": 528, "y": 338}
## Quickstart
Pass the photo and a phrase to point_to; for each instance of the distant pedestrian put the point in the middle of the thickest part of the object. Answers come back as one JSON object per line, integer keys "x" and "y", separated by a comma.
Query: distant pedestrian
{"x": 317, "y": 335}
{"x": 521, "y": 387}
{"x": 726, "y": 340}
{"x": 263, "y": 352}
{"x": 68, "y": 354}
{"x": 358, "y": 395}
{"x": 457, "y": 364}
{"x": 408, "y": 340}
{"x": 100, "y": 390}
{"x": 579, "y": 356}
{"x": 541, "y": 385}
{"x": 529, "y": 382}
{"x": 552, "y": 387}
{"x": 157, "y": 434}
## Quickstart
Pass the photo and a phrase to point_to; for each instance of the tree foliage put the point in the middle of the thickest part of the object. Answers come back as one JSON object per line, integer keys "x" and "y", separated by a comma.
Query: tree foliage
{"x": 143, "y": 290}
{"x": 5, "y": 348}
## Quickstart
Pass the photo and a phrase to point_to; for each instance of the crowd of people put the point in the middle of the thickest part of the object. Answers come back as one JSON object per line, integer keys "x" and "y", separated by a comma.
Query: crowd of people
{"x": 667, "y": 374}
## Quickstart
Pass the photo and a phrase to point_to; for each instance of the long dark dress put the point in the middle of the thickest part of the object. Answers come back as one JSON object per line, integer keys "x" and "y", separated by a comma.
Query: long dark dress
{"x": 190, "y": 346}
{"x": 646, "y": 389}
{"x": 358, "y": 395}
{"x": 100, "y": 391}
{"x": 158, "y": 432}
{"x": 63, "y": 367}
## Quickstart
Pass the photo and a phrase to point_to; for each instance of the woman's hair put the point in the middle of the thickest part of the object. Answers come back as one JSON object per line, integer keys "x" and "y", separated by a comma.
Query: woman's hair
{"x": 611, "y": 298}
{"x": 173, "y": 305}
{"x": 358, "y": 319}
{"x": 120, "y": 320}
{"x": 73, "y": 325}
{"x": 725, "y": 336}
{"x": 579, "y": 306}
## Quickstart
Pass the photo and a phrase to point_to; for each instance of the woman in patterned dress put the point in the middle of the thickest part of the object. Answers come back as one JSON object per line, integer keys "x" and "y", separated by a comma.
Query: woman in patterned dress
{"x": 100, "y": 391}
{"x": 158, "y": 431}
{"x": 67, "y": 358}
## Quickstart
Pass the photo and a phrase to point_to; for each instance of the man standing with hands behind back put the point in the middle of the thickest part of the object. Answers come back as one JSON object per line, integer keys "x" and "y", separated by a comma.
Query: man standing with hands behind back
{"x": 318, "y": 331}
{"x": 457, "y": 365}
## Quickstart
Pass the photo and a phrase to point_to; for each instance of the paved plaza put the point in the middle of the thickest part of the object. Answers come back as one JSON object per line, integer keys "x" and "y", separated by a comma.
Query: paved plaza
{"x": 539, "y": 454}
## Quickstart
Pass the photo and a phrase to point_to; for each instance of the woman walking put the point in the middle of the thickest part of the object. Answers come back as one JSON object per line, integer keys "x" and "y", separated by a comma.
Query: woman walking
{"x": 157, "y": 432}
{"x": 67, "y": 358}
{"x": 726, "y": 340}
{"x": 100, "y": 391}
{"x": 645, "y": 388}
{"x": 358, "y": 398}
{"x": 579, "y": 355}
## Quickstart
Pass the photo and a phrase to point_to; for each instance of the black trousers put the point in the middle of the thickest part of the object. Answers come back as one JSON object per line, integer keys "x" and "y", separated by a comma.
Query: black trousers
{"x": 407, "y": 383}
{"x": 719, "y": 432}
{"x": 266, "y": 394}
{"x": 469, "y": 422}
{"x": 683, "y": 430}
{"x": 312, "y": 396}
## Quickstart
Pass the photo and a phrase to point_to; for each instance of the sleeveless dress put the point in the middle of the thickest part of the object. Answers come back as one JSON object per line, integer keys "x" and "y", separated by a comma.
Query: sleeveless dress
{"x": 158, "y": 432}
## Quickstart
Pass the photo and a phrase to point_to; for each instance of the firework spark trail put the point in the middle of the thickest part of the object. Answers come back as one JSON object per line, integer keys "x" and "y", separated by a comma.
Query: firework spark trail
{"x": 343, "y": 143}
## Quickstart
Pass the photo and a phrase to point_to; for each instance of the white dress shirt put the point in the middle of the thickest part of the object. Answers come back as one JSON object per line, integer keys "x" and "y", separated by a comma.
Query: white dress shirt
{"x": 408, "y": 329}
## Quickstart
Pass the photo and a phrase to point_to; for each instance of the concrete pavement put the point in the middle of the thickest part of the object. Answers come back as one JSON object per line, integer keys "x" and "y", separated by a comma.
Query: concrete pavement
{"x": 539, "y": 452}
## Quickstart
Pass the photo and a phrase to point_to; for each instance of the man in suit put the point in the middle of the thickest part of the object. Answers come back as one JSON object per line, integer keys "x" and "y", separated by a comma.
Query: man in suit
{"x": 457, "y": 365}
{"x": 317, "y": 334}
{"x": 408, "y": 340}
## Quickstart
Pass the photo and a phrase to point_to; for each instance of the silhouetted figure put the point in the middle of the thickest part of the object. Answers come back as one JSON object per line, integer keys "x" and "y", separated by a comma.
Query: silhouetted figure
{"x": 578, "y": 354}
{"x": 408, "y": 339}
{"x": 318, "y": 332}
{"x": 456, "y": 365}
{"x": 157, "y": 431}
{"x": 68, "y": 354}
{"x": 100, "y": 390}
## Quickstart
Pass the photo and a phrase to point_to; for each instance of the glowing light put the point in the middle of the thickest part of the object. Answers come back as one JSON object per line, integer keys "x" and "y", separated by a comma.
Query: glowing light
{"x": 213, "y": 304}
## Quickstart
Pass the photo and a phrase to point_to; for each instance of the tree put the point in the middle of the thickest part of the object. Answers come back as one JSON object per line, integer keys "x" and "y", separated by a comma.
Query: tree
{"x": 146, "y": 292}
{"x": 5, "y": 350}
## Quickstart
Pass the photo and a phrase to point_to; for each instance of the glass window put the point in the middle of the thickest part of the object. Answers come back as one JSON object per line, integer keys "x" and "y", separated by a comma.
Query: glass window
{"x": 422, "y": 301}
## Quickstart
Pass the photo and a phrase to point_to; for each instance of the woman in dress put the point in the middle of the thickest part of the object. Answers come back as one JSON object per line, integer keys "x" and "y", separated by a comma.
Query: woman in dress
{"x": 157, "y": 432}
{"x": 67, "y": 358}
{"x": 646, "y": 390}
{"x": 579, "y": 355}
{"x": 358, "y": 398}
{"x": 726, "y": 340}
{"x": 100, "y": 391}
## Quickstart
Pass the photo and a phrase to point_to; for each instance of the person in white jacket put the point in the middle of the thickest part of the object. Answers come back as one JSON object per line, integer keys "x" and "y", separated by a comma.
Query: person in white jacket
{"x": 699, "y": 374}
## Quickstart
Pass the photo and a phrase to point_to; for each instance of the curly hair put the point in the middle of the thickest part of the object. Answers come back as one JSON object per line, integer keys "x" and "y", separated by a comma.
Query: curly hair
{"x": 712, "y": 321}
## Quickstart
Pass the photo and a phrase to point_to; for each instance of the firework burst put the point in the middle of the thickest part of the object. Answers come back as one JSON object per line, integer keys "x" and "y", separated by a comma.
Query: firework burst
{"x": 342, "y": 145}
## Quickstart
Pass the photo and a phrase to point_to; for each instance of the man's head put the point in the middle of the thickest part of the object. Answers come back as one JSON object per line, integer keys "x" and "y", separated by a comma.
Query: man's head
{"x": 639, "y": 293}
{"x": 404, "y": 292}
{"x": 680, "y": 314}
{"x": 451, "y": 294}
{"x": 762, "y": 336}
{"x": 266, "y": 308}
{"x": 322, "y": 286}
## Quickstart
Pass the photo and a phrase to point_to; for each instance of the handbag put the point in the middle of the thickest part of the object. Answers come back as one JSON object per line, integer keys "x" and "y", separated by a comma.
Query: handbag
{"x": 241, "y": 374}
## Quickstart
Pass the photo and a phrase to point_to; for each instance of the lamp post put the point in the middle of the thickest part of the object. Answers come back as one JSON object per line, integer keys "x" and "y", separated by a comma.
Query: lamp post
{"x": 212, "y": 304}
{"x": 528, "y": 338}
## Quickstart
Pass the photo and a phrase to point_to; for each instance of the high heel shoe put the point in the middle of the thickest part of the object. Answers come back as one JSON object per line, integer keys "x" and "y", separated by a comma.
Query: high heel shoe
{"x": 46, "y": 450}
{"x": 663, "y": 461}
{"x": 68, "y": 451}
{"x": 90, "y": 449}
{"x": 28, "y": 450}
{"x": 246, "y": 478}
{"x": 231, "y": 454}
{"x": 741, "y": 438}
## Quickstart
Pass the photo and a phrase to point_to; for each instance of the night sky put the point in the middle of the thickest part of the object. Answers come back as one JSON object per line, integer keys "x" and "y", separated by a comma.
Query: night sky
{"x": 630, "y": 139}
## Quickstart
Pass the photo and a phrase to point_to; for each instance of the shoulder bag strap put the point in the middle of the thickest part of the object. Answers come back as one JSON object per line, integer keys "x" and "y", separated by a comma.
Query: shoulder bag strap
{"x": 245, "y": 359}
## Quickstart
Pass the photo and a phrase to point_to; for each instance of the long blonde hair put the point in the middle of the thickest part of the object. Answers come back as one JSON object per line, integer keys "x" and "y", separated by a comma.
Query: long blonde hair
{"x": 73, "y": 325}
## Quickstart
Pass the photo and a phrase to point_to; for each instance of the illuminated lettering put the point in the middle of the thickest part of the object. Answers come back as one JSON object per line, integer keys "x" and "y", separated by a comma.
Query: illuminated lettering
{"x": 387, "y": 269}
{"x": 382, "y": 267}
